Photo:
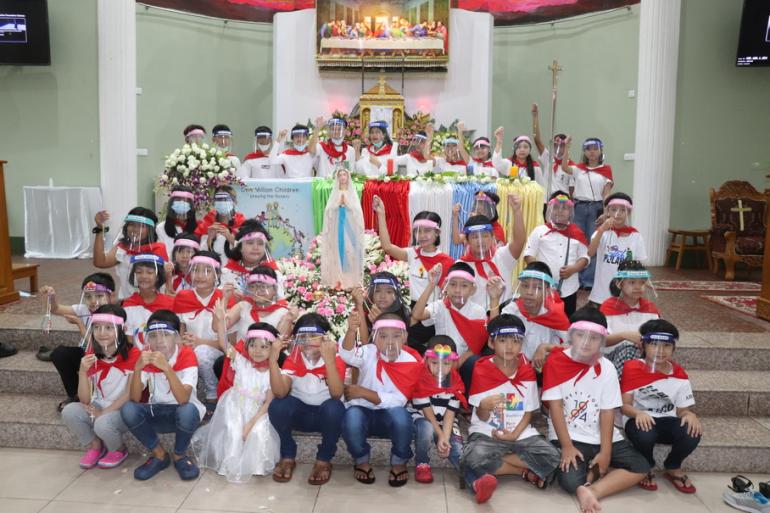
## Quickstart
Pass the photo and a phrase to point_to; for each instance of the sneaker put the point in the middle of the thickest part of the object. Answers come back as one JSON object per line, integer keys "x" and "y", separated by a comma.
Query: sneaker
{"x": 423, "y": 473}
{"x": 92, "y": 457}
{"x": 484, "y": 487}
{"x": 113, "y": 458}
{"x": 186, "y": 468}
{"x": 151, "y": 467}
{"x": 44, "y": 354}
{"x": 7, "y": 350}
{"x": 751, "y": 501}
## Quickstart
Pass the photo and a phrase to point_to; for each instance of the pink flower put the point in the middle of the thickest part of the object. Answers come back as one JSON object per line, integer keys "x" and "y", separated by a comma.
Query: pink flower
{"x": 301, "y": 290}
{"x": 340, "y": 309}
{"x": 307, "y": 296}
{"x": 310, "y": 265}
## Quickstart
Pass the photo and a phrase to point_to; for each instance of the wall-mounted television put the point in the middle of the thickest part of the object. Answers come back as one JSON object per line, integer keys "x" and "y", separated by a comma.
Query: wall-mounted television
{"x": 754, "y": 39}
{"x": 24, "y": 32}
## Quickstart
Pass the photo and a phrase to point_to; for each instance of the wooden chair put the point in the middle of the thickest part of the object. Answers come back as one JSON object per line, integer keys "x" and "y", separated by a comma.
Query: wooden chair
{"x": 739, "y": 217}
{"x": 26, "y": 271}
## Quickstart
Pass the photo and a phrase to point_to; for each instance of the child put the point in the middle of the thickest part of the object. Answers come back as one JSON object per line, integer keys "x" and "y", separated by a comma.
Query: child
{"x": 249, "y": 249}
{"x": 307, "y": 392}
{"x": 169, "y": 371}
{"x": 219, "y": 225}
{"x": 521, "y": 161}
{"x": 582, "y": 392}
{"x": 239, "y": 441}
{"x": 488, "y": 259}
{"x": 417, "y": 158}
{"x": 98, "y": 289}
{"x": 454, "y": 314}
{"x": 335, "y": 152}
{"x": 222, "y": 137}
{"x": 136, "y": 237}
{"x": 481, "y": 161}
{"x": 257, "y": 164}
{"x": 103, "y": 388}
{"x": 261, "y": 303}
{"x": 540, "y": 309}
{"x": 613, "y": 242}
{"x": 437, "y": 398}
{"x": 180, "y": 217}
{"x": 657, "y": 397}
{"x": 147, "y": 276}
{"x": 456, "y": 158}
{"x": 626, "y": 310}
{"x": 298, "y": 160}
{"x": 178, "y": 270}
{"x": 504, "y": 394}
{"x": 560, "y": 244}
{"x": 593, "y": 183}
{"x": 374, "y": 158}
{"x": 485, "y": 204}
{"x": 388, "y": 373}
{"x": 194, "y": 134}
{"x": 195, "y": 309}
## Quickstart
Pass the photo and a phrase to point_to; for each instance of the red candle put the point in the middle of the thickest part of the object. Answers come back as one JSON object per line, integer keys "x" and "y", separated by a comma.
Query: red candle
{"x": 390, "y": 167}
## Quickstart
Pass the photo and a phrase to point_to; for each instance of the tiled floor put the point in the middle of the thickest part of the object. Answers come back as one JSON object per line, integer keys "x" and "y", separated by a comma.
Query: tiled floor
{"x": 50, "y": 481}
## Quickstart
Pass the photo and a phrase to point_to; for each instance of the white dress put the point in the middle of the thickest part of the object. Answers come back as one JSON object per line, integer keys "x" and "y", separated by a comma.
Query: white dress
{"x": 219, "y": 445}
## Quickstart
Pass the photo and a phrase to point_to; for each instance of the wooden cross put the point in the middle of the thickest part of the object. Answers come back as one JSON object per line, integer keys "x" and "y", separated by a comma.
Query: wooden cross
{"x": 740, "y": 209}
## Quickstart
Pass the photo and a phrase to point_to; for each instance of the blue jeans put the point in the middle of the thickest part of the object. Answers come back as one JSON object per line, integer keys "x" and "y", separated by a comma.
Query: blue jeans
{"x": 586, "y": 213}
{"x": 392, "y": 423}
{"x": 146, "y": 421}
{"x": 425, "y": 436}
{"x": 667, "y": 430}
{"x": 289, "y": 413}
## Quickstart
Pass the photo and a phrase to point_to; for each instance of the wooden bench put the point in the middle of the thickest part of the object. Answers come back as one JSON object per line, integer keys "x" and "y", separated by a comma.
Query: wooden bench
{"x": 679, "y": 245}
{"x": 26, "y": 271}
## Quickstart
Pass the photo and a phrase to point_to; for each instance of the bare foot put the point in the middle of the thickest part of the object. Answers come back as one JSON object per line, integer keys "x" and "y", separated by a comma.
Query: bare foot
{"x": 588, "y": 501}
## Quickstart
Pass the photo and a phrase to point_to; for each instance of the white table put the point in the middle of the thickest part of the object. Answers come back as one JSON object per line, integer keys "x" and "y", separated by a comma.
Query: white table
{"x": 410, "y": 43}
{"x": 58, "y": 221}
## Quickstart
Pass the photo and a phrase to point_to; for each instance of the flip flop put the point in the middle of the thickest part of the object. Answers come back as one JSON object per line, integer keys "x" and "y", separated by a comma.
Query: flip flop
{"x": 318, "y": 468}
{"x": 280, "y": 475}
{"x": 394, "y": 479}
{"x": 369, "y": 479}
{"x": 651, "y": 485}
{"x": 534, "y": 479}
{"x": 679, "y": 483}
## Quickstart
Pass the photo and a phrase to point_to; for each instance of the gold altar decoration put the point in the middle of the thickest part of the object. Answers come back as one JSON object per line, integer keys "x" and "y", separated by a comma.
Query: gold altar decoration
{"x": 382, "y": 95}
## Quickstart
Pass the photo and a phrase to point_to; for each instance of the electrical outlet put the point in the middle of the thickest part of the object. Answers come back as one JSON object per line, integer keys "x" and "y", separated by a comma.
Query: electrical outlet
{"x": 139, "y": 91}
{"x": 142, "y": 152}
{"x": 629, "y": 156}
{"x": 631, "y": 93}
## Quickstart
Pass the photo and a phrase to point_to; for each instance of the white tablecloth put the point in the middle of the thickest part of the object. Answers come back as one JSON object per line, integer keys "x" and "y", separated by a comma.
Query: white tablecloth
{"x": 424, "y": 43}
{"x": 58, "y": 221}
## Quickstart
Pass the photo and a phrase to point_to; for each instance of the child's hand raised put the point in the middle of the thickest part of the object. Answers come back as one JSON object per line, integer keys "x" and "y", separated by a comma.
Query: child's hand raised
{"x": 499, "y": 134}
{"x": 354, "y": 320}
{"x": 46, "y": 291}
{"x": 514, "y": 201}
{"x": 377, "y": 205}
{"x": 434, "y": 275}
{"x": 328, "y": 350}
{"x": 460, "y": 127}
{"x": 102, "y": 217}
{"x": 282, "y": 135}
{"x": 219, "y": 314}
{"x": 456, "y": 209}
{"x": 276, "y": 347}
{"x": 606, "y": 225}
{"x": 358, "y": 294}
{"x": 189, "y": 339}
{"x": 374, "y": 312}
{"x": 168, "y": 268}
{"x": 495, "y": 287}
{"x": 87, "y": 362}
{"x": 356, "y": 144}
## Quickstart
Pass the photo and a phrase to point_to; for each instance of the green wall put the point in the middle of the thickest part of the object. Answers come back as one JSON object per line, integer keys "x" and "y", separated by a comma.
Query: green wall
{"x": 723, "y": 112}
{"x": 598, "y": 56}
{"x": 49, "y": 115}
{"x": 197, "y": 70}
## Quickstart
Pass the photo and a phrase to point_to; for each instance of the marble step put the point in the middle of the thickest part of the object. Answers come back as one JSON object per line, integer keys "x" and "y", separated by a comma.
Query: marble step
{"x": 730, "y": 444}
{"x": 717, "y": 393}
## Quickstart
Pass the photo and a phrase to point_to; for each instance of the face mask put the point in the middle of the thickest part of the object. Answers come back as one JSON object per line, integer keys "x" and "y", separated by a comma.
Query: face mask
{"x": 337, "y": 142}
{"x": 263, "y": 147}
{"x": 180, "y": 208}
{"x": 223, "y": 207}
{"x": 300, "y": 147}
{"x": 378, "y": 144}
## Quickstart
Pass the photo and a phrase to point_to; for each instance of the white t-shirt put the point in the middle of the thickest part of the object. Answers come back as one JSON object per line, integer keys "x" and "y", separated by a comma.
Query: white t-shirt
{"x": 310, "y": 388}
{"x": 611, "y": 251}
{"x": 518, "y": 403}
{"x": 295, "y": 166}
{"x": 365, "y": 358}
{"x": 626, "y": 322}
{"x": 260, "y": 168}
{"x": 81, "y": 312}
{"x": 163, "y": 237}
{"x": 505, "y": 265}
{"x": 535, "y": 334}
{"x": 478, "y": 169}
{"x": 441, "y": 318}
{"x": 661, "y": 398}
{"x": 442, "y": 166}
{"x": 109, "y": 390}
{"x": 418, "y": 275}
{"x": 325, "y": 164}
{"x": 366, "y": 167}
{"x": 122, "y": 270}
{"x": 583, "y": 402}
{"x": 504, "y": 166}
{"x": 550, "y": 247}
{"x": 588, "y": 185}
{"x": 246, "y": 320}
{"x": 413, "y": 166}
{"x": 160, "y": 389}
{"x": 199, "y": 323}
{"x": 560, "y": 181}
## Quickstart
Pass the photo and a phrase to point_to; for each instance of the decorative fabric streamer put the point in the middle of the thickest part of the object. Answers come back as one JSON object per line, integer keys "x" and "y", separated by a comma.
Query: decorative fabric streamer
{"x": 434, "y": 197}
{"x": 463, "y": 193}
{"x": 395, "y": 196}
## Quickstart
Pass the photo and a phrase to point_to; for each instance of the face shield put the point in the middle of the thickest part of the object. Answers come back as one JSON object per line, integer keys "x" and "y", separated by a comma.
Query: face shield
{"x": 507, "y": 343}
{"x": 534, "y": 289}
{"x": 425, "y": 232}
{"x": 377, "y": 131}
{"x": 102, "y": 335}
{"x": 94, "y": 295}
{"x": 261, "y": 288}
{"x": 224, "y": 205}
{"x": 161, "y": 337}
{"x": 416, "y": 143}
{"x": 586, "y": 341}
{"x": 619, "y": 210}
{"x": 263, "y": 141}
{"x": 441, "y": 360}
{"x": 196, "y": 136}
{"x": 484, "y": 205}
{"x": 144, "y": 270}
{"x": 258, "y": 343}
{"x": 522, "y": 147}
{"x": 452, "y": 150}
{"x": 594, "y": 147}
{"x": 384, "y": 293}
{"x": 635, "y": 284}
{"x": 299, "y": 139}
{"x": 480, "y": 240}
{"x": 181, "y": 203}
{"x": 307, "y": 342}
{"x": 658, "y": 351}
{"x": 184, "y": 250}
{"x": 558, "y": 147}
{"x": 481, "y": 150}
{"x": 336, "y": 131}
{"x": 137, "y": 231}
{"x": 459, "y": 286}
{"x": 560, "y": 211}
{"x": 222, "y": 139}
{"x": 204, "y": 272}
{"x": 389, "y": 335}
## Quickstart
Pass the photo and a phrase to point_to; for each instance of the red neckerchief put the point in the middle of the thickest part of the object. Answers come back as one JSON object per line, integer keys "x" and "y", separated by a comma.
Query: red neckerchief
{"x": 187, "y": 301}
{"x": 457, "y": 162}
{"x": 487, "y": 375}
{"x": 479, "y": 262}
{"x": 333, "y": 152}
{"x": 296, "y": 364}
{"x": 473, "y": 331}
{"x": 418, "y": 156}
{"x": 517, "y": 163}
{"x": 557, "y": 164}
{"x": 292, "y": 151}
{"x": 179, "y": 279}
{"x": 572, "y": 231}
{"x": 497, "y": 229}
{"x": 616, "y": 306}
{"x": 404, "y": 375}
{"x": 559, "y": 368}
{"x": 181, "y": 223}
{"x": 211, "y": 218}
{"x": 185, "y": 358}
{"x": 255, "y": 155}
{"x": 429, "y": 262}
{"x": 554, "y": 316}
{"x": 155, "y": 248}
{"x": 427, "y": 387}
{"x": 227, "y": 378}
{"x": 636, "y": 375}
{"x": 605, "y": 170}
{"x": 485, "y": 163}
{"x": 123, "y": 365}
{"x": 385, "y": 149}
{"x": 624, "y": 230}
{"x": 236, "y": 266}
{"x": 256, "y": 309}
{"x": 161, "y": 302}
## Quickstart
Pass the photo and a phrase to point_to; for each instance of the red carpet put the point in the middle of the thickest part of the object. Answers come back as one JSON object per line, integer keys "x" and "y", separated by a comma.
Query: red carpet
{"x": 690, "y": 285}
{"x": 744, "y": 304}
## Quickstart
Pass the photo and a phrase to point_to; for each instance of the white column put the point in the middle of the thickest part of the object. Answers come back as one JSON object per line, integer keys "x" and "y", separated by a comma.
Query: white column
{"x": 117, "y": 105}
{"x": 655, "y": 117}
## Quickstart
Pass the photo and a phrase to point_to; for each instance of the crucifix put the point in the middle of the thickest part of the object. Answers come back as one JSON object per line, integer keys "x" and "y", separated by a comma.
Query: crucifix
{"x": 554, "y": 68}
{"x": 740, "y": 209}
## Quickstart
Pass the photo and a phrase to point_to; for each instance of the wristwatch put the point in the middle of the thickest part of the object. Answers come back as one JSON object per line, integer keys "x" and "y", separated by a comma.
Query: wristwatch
{"x": 100, "y": 229}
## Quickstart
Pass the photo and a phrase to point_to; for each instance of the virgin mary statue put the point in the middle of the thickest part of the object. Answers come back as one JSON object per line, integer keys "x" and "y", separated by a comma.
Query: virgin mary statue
{"x": 342, "y": 248}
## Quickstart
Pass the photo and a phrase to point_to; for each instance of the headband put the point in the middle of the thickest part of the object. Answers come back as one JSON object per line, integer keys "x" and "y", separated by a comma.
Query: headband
{"x": 508, "y": 330}
{"x": 260, "y": 334}
{"x": 561, "y": 198}
{"x": 182, "y": 194}
{"x": 378, "y": 124}
{"x": 252, "y": 236}
{"x": 632, "y": 275}
{"x": 419, "y": 136}
{"x": 483, "y": 197}
{"x": 299, "y": 131}
{"x": 133, "y": 218}
{"x": 222, "y": 132}
{"x": 481, "y": 143}
{"x": 384, "y": 281}
{"x": 202, "y": 259}
{"x": 187, "y": 243}
{"x": 620, "y": 201}
{"x": 223, "y": 196}
{"x": 159, "y": 326}
{"x": 146, "y": 257}
{"x": 538, "y": 275}
{"x": 102, "y": 317}
{"x": 659, "y": 336}
{"x": 426, "y": 223}
{"x": 478, "y": 228}
{"x": 451, "y": 140}
{"x": 442, "y": 353}
{"x": 261, "y": 134}
{"x": 389, "y": 323}
{"x": 261, "y": 278}
{"x": 95, "y": 287}
{"x": 591, "y": 142}
{"x": 522, "y": 138}
{"x": 589, "y": 326}
{"x": 457, "y": 273}
{"x": 336, "y": 121}
{"x": 311, "y": 329}
{"x": 196, "y": 131}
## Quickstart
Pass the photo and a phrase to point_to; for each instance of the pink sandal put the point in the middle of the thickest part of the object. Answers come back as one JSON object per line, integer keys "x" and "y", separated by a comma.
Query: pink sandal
{"x": 113, "y": 458}
{"x": 92, "y": 457}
